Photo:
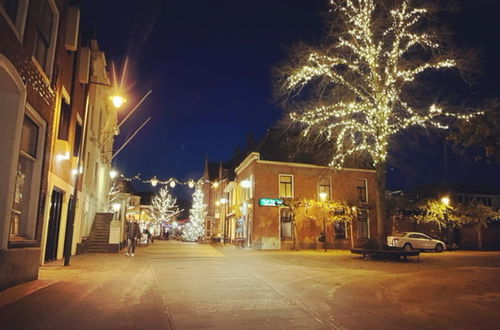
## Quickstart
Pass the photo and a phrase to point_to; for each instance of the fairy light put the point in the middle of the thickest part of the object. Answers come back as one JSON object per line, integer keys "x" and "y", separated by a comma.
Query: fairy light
{"x": 373, "y": 108}
{"x": 196, "y": 227}
{"x": 164, "y": 206}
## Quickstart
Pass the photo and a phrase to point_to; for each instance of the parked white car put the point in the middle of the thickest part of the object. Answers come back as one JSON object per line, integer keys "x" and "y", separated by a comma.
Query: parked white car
{"x": 415, "y": 241}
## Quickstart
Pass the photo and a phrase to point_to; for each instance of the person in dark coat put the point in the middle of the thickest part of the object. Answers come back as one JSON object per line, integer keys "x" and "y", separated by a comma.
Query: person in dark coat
{"x": 133, "y": 233}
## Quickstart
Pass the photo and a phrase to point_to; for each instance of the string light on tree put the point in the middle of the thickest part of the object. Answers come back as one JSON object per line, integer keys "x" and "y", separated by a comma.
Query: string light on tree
{"x": 164, "y": 206}
{"x": 196, "y": 226}
{"x": 363, "y": 79}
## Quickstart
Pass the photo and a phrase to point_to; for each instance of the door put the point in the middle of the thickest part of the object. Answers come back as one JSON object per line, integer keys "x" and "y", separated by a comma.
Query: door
{"x": 56, "y": 203}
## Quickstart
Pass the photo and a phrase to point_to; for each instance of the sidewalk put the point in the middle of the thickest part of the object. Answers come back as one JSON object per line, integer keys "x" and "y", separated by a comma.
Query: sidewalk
{"x": 168, "y": 285}
{"x": 97, "y": 291}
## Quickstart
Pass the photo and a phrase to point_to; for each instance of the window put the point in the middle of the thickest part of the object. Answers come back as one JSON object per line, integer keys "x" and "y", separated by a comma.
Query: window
{"x": 45, "y": 36}
{"x": 361, "y": 190}
{"x": 15, "y": 12}
{"x": 26, "y": 188}
{"x": 286, "y": 186}
{"x": 78, "y": 140}
{"x": 29, "y": 137}
{"x": 324, "y": 187}
{"x": 363, "y": 224}
{"x": 11, "y": 7}
{"x": 64, "y": 120}
{"x": 286, "y": 222}
{"x": 339, "y": 228}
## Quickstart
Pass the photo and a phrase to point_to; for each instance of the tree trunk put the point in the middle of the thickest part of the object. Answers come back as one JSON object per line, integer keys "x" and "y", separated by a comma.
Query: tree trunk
{"x": 380, "y": 203}
{"x": 479, "y": 232}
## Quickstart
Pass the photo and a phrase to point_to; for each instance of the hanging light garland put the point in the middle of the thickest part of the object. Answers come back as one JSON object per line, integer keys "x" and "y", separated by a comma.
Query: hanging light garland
{"x": 171, "y": 182}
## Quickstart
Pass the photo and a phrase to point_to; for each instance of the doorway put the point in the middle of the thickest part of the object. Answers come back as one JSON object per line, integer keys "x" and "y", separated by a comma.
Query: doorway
{"x": 56, "y": 204}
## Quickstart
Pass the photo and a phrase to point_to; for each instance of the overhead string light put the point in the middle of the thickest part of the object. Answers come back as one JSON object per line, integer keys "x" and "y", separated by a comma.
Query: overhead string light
{"x": 171, "y": 182}
{"x": 373, "y": 110}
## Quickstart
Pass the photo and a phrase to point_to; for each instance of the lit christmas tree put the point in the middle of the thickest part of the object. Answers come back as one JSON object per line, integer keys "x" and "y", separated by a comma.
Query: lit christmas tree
{"x": 363, "y": 82}
{"x": 196, "y": 227}
{"x": 164, "y": 206}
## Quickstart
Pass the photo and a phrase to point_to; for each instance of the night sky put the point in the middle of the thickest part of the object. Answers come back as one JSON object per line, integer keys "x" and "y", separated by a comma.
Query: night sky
{"x": 209, "y": 65}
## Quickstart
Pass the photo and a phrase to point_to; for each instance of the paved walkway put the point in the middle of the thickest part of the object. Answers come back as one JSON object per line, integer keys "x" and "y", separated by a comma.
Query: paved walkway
{"x": 169, "y": 285}
{"x": 173, "y": 285}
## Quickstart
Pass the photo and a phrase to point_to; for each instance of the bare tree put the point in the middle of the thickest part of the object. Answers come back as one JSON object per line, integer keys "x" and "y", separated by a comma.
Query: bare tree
{"x": 364, "y": 82}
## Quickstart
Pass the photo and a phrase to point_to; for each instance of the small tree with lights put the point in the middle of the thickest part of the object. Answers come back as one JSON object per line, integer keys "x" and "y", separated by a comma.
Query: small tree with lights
{"x": 196, "y": 226}
{"x": 364, "y": 83}
{"x": 321, "y": 212}
{"x": 164, "y": 206}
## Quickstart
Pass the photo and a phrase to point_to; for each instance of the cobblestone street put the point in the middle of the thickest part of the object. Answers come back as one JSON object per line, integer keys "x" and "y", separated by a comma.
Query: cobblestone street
{"x": 173, "y": 285}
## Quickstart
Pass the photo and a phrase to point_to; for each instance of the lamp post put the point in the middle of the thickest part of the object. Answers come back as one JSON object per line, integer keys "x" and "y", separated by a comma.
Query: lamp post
{"x": 223, "y": 202}
{"x": 322, "y": 197}
{"x": 446, "y": 202}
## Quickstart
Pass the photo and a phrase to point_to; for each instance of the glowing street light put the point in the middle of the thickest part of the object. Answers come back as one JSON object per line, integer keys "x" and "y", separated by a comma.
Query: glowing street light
{"x": 445, "y": 200}
{"x": 154, "y": 181}
{"x": 116, "y": 207}
{"x": 322, "y": 196}
{"x": 117, "y": 100}
{"x": 215, "y": 184}
{"x": 191, "y": 184}
{"x": 172, "y": 184}
{"x": 113, "y": 174}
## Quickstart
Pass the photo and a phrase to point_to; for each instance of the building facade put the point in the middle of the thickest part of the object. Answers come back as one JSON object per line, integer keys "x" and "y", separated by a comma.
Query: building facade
{"x": 34, "y": 37}
{"x": 250, "y": 208}
{"x": 98, "y": 138}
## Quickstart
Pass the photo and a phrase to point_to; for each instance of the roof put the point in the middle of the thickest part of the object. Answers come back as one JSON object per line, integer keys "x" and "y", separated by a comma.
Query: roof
{"x": 218, "y": 170}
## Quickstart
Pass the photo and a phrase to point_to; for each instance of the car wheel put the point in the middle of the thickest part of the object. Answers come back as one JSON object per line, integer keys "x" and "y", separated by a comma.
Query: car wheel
{"x": 439, "y": 247}
{"x": 407, "y": 247}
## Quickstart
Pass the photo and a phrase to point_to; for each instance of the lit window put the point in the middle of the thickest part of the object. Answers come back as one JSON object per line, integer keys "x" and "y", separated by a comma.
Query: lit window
{"x": 324, "y": 188}
{"x": 286, "y": 186}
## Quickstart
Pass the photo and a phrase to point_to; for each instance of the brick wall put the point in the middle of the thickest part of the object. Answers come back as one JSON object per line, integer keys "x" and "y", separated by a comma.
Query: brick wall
{"x": 266, "y": 221}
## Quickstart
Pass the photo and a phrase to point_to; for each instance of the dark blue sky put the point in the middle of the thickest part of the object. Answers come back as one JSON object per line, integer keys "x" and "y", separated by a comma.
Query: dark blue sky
{"x": 209, "y": 65}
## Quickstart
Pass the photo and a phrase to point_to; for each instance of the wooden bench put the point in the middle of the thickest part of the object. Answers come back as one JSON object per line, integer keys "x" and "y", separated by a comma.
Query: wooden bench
{"x": 387, "y": 253}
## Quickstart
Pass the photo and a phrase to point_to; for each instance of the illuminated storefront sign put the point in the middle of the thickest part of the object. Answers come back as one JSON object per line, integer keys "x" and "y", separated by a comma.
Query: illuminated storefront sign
{"x": 270, "y": 202}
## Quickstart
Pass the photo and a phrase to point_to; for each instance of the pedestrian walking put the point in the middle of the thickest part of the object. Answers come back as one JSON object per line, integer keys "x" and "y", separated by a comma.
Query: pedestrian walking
{"x": 133, "y": 233}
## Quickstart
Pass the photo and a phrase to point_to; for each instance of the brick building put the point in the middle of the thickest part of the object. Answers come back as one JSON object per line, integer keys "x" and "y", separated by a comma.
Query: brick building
{"x": 34, "y": 37}
{"x": 215, "y": 178}
{"x": 248, "y": 220}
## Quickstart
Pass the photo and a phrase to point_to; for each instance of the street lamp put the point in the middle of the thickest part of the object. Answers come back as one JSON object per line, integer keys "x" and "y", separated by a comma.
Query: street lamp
{"x": 117, "y": 101}
{"x": 446, "y": 202}
{"x": 116, "y": 208}
{"x": 322, "y": 197}
{"x": 113, "y": 174}
{"x": 223, "y": 202}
